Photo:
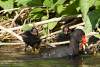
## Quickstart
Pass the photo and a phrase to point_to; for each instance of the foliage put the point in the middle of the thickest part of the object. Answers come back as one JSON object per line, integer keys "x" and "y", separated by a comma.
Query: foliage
{"x": 36, "y": 14}
{"x": 97, "y": 35}
{"x": 46, "y": 9}
{"x": 71, "y": 8}
{"x": 29, "y": 2}
{"x": 26, "y": 27}
{"x": 94, "y": 17}
{"x": 7, "y": 4}
{"x": 84, "y": 10}
{"x": 48, "y": 3}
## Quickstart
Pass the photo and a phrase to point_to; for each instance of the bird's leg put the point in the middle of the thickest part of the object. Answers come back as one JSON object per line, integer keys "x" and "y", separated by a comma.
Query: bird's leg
{"x": 33, "y": 50}
{"x": 26, "y": 47}
{"x": 94, "y": 51}
{"x": 37, "y": 49}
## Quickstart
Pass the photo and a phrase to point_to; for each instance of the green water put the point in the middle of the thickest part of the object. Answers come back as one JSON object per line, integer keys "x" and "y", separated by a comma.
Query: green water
{"x": 84, "y": 61}
{"x": 12, "y": 58}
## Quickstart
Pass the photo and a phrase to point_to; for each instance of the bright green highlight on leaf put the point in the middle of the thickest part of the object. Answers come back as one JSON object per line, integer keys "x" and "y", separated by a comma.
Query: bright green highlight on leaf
{"x": 60, "y": 8}
{"x": 51, "y": 25}
{"x": 27, "y": 27}
{"x": 84, "y": 6}
{"x": 97, "y": 35}
{"x": 48, "y": 3}
{"x": 6, "y": 4}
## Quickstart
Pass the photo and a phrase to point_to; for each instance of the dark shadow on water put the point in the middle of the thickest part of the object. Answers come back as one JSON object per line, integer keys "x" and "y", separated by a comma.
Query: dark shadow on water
{"x": 76, "y": 61}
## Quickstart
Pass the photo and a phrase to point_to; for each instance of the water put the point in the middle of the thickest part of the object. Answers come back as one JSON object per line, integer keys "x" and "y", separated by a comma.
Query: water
{"x": 15, "y": 58}
{"x": 83, "y": 61}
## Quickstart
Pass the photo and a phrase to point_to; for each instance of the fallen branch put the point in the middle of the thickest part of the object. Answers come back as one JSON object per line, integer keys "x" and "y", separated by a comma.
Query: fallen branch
{"x": 17, "y": 15}
{"x": 11, "y": 43}
{"x": 92, "y": 33}
{"x": 38, "y": 23}
{"x": 80, "y": 24}
{"x": 61, "y": 30}
{"x": 66, "y": 42}
{"x": 11, "y": 32}
{"x": 42, "y": 22}
{"x": 47, "y": 21}
{"x": 50, "y": 34}
{"x": 9, "y": 10}
{"x": 92, "y": 45}
{"x": 58, "y": 43}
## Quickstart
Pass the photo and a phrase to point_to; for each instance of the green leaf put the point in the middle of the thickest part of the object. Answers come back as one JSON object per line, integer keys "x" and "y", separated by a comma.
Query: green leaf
{"x": 97, "y": 3}
{"x": 84, "y": 6}
{"x": 45, "y": 29}
{"x": 51, "y": 25}
{"x": 6, "y": 4}
{"x": 71, "y": 9}
{"x": 45, "y": 26}
{"x": 60, "y": 2}
{"x": 57, "y": 3}
{"x": 44, "y": 18}
{"x": 35, "y": 16}
{"x": 29, "y": 2}
{"x": 36, "y": 3}
{"x": 60, "y": 8}
{"x": 27, "y": 27}
{"x": 91, "y": 2}
{"x": 36, "y": 10}
{"x": 23, "y": 2}
{"x": 88, "y": 24}
{"x": 97, "y": 35}
{"x": 94, "y": 17}
{"x": 48, "y": 3}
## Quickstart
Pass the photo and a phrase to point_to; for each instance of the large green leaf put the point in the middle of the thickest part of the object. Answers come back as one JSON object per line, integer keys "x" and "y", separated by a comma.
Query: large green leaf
{"x": 48, "y": 3}
{"x": 91, "y": 2}
{"x": 36, "y": 16}
{"x": 71, "y": 8}
{"x": 84, "y": 6}
{"x": 47, "y": 27}
{"x": 36, "y": 10}
{"x": 60, "y": 2}
{"x": 6, "y": 4}
{"x": 97, "y": 3}
{"x": 60, "y": 8}
{"x": 23, "y": 2}
{"x": 29, "y": 2}
{"x": 57, "y": 3}
{"x": 94, "y": 17}
{"x": 51, "y": 25}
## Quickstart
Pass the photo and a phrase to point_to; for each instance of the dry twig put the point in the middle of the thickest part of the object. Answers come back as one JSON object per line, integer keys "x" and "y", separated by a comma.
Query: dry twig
{"x": 11, "y": 32}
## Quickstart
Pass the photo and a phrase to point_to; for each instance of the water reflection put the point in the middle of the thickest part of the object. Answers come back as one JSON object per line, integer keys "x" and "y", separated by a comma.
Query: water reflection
{"x": 76, "y": 61}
